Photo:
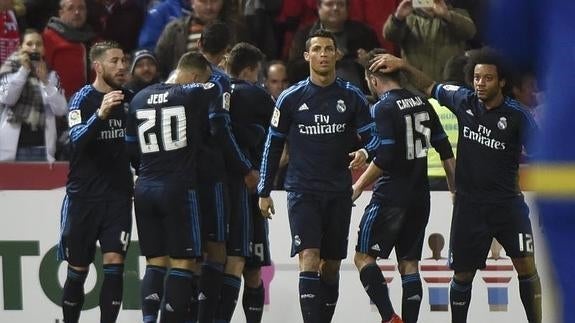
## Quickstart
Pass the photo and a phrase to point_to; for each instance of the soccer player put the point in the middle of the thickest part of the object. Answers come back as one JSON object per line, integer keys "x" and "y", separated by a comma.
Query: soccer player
{"x": 320, "y": 118}
{"x": 493, "y": 130}
{"x": 251, "y": 109}
{"x": 165, "y": 124}
{"x": 398, "y": 212}
{"x": 98, "y": 202}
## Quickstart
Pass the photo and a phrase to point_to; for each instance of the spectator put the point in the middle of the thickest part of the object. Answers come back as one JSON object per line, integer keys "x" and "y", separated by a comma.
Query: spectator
{"x": 259, "y": 17}
{"x": 351, "y": 37}
{"x": 428, "y": 37}
{"x": 107, "y": 17}
{"x": 182, "y": 35}
{"x": 144, "y": 71}
{"x": 374, "y": 13}
{"x": 276, "y": 78}
{"x": 524, "y": 88}
{"x": 30, "y": 98}
{"x": 67, "y": 40}
{"x": 9, "y": 31}
{"x": 295, "y": 15}
{"x": 158, "y": 17}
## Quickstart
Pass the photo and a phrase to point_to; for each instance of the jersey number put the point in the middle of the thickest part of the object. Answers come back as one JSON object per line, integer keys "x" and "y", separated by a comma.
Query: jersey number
{"x": 172, "y": 118}
{"x": 415, "y": 135}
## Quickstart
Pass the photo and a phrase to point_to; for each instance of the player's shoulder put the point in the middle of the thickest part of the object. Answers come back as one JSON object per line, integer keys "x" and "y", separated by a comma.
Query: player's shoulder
{"x": 292, "y": 92}
{"x": 349, "y": 87}
{"x": 82, "y": 96}
{"x": 518, "y": 110}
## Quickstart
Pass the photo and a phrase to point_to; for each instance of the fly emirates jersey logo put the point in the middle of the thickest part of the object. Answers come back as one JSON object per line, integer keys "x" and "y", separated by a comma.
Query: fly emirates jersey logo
{"x": 482, "y": 136}
{"x": 115, "y": 130}
{"x": 321, "y": 126}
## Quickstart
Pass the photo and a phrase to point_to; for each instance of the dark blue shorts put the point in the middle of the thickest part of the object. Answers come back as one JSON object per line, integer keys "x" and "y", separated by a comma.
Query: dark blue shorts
{"x": 474, "y": 225}
{"x": 383, "y": 228}
{"x": 320, "y": 221}
{"x": 215, "y": 210}
{"x": 241, "y": 227}
{"x": 84, "y": 222}
{"x": 260, "y": 246}
{"x": 168, "y": 219}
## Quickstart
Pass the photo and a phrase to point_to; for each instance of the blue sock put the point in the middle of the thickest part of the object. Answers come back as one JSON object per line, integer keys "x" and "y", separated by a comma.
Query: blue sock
{"x": 530, "y": 292}
{"x": 329, "y": 293}
{"x": 111, "y": 292}
{"x": 177, "y": 296}
{"x": 209, "y": 290}
{"x": 411, "y": 297}
{"x": 152, "y": 292}
{"x": 460, "y": 297}
{"x": 309, "y": 287}
{"x": 376, "y": 287}
{"x": 73, "y": 295}
{"x": 253, "y": 303}
{"x": 228, "y": 298}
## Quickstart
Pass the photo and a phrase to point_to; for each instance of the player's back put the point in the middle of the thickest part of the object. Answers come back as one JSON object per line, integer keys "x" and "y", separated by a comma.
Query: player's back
{"x": 167, "y": 121}
{"x": 407, "y": 125}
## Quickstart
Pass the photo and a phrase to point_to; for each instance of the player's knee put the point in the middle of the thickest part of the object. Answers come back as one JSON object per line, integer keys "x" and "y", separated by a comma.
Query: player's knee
{"x": 235, "y": 265}
{"x": 252, "y": 277}
{"x": 112, "y": 258}
{"x": 524, "y": 266}
{"x": 188, "y": 264}
{"x": 309, "y": 260}
{"x": 159, "y": 261}
{"x": 216, "y": 252}
{"x": 361, "y": 260}
{"x": 329, "y": 270}
{"x": 464, "y": 277}
{"x": 408, "y": 267}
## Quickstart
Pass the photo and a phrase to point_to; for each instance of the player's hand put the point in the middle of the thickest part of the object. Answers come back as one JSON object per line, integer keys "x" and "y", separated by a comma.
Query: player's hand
{"x": 386, "y": 63}
{"x": 110, "y": 100}
{"x": 358, "y": 159}
{"x": 356, "y": 193}
{"x": 251, "y": 180}
{"x": 266, "y": 205}
{"x": 440, "y": 9}
{"x": 404, "y": 9}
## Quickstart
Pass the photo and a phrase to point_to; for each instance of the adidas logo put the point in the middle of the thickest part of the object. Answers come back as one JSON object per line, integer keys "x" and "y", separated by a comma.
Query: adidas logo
{"x": 169, "y": 307}
{"x": 303, "y": 107}
{"x": 202, "y": 297}
{"x": 153, "y": 297}
{"x": 414, "y": 298}
{"x": 376, "y": 247}
{"x": 469, "y": 112}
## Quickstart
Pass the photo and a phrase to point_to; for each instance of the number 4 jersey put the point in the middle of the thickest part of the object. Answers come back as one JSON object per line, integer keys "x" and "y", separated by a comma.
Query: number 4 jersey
{"x": 168, "y": 122}
{"x": 407, "y": 125}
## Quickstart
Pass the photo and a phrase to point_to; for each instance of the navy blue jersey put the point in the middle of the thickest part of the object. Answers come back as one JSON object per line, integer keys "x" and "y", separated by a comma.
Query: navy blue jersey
{"x": 490, "y": 143}
{"x": 99, "y": 161}
{"x": 222, "y": 138}
{"x": 251, "y": 111}
{"x": 321, "y": 126}
{"x": 407, "y": 126}
{"x": 166, "y": 122}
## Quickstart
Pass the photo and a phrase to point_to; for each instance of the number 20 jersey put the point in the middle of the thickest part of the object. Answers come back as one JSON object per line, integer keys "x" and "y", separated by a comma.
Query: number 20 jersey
{"x": 168, "y": 123}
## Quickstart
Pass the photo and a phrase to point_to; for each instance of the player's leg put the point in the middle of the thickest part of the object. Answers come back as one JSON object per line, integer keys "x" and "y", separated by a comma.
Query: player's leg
{"x": 516, "y": 236}
{"x": 254, "y": 294}
{"x": 408, "y": 251}
{"x": 215, "y": 217}
{"x": 378, "y": 231}
{"x": 151, "y": 235}
{"x": 182, "y": 221}
{"x": 470, "y": 240}
{"x": 77, "y": 246}
{"x": 305, "y": 225}
{"x": 114, "y": 241}
{"x": 237, "y": 247}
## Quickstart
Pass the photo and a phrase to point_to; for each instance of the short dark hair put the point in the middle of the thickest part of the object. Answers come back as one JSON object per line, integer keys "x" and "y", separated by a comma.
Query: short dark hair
{"x": 215, "y": 38}
{"x": 100, "y": 48}
{"x": 486, "y": 56}
{"x": 393, "y": 76}
{"x": 244, "y": 55}
{"x": 319, "y": 33}
{"x": 193, "y": 60}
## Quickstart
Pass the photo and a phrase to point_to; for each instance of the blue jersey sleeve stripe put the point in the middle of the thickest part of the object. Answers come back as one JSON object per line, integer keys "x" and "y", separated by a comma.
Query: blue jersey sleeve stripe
{"x": 436, "y": 91}
{"x": 79, "y": 97}
{"x": 264, "y": 164}
{"x": 516, "y": 106}
{"x": 387, "y": 142}
{"x": 77, "y": 132}
{"x": 131, "y": 138}
{"x": 289, "y": 91}
{"x": 367, "y": 127}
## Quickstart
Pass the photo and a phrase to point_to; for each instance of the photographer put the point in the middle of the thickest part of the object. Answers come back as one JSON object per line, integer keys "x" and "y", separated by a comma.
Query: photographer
{"x": 30, "y": 100}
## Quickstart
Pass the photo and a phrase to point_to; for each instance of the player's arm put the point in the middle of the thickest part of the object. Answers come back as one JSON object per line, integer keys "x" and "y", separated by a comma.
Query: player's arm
{"x": 372, "y": 173}
{"x": 367, "y": 131}
{"x": 528, "y": 131}
{"x": 83, "y": 125}
{"x": 389, "y": 63}
{"x": 132, "y": 139}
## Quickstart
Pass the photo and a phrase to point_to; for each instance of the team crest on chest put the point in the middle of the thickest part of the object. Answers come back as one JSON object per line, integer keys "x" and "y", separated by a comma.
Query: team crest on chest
{"x": 340, "y": 106}
{"x": 502, "y": 123}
